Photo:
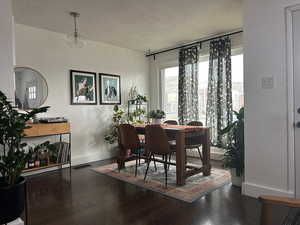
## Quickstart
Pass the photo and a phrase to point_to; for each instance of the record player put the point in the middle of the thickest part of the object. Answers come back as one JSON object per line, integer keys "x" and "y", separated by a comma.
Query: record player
{"x": 53, "y": 120}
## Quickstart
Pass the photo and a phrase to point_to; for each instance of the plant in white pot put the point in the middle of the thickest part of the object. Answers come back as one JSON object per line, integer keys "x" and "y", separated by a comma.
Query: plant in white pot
{"x": 156, "y": 116}
{"x": 13, "y": 158}
{"x": 235, "y": 151}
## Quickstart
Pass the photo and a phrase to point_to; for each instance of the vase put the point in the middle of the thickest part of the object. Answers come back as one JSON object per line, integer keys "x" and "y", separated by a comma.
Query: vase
{"x": 156, "y": 121}
{"x": 12, "y": 200}
{"x": 236, "y": 180}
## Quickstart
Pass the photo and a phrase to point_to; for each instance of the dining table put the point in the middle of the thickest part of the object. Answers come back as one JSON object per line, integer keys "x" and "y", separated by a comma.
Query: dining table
{"x": 180, "y": 133}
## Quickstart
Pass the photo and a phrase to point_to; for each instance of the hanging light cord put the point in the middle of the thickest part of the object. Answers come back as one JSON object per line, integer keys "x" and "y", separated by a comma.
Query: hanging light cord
{"x": 75, "y": 15}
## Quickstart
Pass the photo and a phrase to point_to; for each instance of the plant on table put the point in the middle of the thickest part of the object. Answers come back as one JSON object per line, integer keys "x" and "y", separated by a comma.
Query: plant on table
{"x": 157, "y": 114}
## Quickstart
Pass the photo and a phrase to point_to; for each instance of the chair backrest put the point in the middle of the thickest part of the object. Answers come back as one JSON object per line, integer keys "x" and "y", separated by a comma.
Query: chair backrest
{"x": 195, "y": 140}
{"x": 156, "y": 139}
{"x": 171, "y": 122}
{"x": 128, "y": 137}
{"x": 195, "y": 123}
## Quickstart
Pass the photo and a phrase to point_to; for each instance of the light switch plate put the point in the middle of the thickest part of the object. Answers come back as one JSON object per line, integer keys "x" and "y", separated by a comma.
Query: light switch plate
{"x": 267, "y": 82}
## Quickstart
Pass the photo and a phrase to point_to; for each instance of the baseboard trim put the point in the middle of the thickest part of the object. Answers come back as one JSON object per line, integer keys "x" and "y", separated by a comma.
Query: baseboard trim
{"x": 255, "y": 190}
{"x": 92, "y": 157}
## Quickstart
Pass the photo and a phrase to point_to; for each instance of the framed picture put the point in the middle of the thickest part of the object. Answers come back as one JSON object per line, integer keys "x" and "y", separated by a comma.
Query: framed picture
{"x": 83, "y": 88}
{"x": 110, "y": 89}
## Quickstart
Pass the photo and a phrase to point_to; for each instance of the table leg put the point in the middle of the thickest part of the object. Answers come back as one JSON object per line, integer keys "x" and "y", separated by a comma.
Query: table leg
{"x": 121, "y": 158}
{"x": 180, "y": 158}
{"x": 206, "y": 153}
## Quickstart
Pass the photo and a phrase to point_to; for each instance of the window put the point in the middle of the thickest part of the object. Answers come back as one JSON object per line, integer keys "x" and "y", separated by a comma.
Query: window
{"x": 32, "y": 92}
{"x": 169, "y": 77}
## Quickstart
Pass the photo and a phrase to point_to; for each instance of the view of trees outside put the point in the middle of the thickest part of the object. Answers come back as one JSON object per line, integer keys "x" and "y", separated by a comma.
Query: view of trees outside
{"x": 170, "y": 100}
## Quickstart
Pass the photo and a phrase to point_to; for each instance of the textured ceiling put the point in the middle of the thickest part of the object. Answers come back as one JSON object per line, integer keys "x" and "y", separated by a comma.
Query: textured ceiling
{"x": 134, "y": 24}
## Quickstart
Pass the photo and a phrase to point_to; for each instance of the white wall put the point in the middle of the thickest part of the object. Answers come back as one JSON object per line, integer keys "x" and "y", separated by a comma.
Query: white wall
{"x": 269, "y": 158}
{"x": 48, "y": 53}
{"x": 6, "y": 49}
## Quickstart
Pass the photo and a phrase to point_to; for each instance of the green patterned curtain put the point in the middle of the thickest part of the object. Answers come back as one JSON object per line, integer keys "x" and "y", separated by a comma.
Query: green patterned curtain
{"x": 188, "y": 85}
{"x": 219, "y": 94}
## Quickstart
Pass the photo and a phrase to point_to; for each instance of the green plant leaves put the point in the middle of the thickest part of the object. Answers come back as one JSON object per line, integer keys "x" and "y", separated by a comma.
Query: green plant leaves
{"x": 12, "y": 125}
{"x": 235, "y": 151}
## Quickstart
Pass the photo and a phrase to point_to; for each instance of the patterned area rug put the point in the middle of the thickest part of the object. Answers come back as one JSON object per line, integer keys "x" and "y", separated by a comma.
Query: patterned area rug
{"x": 196, "y": 186}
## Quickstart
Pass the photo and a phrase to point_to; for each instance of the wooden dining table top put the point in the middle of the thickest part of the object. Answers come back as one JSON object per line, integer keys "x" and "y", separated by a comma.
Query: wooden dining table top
{"x": 176, "y": 127}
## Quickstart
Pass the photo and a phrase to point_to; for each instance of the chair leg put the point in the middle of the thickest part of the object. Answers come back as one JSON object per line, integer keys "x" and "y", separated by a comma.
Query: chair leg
{"x": 148, "y": 163}
{"x": 154, "y": 161}
{"x": 139, "y": 159}
{"x": 200, "y": 154}
{"x": 170, "y": 156}
{"x": 166, "y": 170}
{"x": 136, "y": 164}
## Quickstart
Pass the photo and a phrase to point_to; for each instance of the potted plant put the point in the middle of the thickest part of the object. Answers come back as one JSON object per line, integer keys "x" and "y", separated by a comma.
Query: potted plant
{"x": 13, "y": 159}
{"x": 156, "y": 115}
{"x": 234, "y": 155}
{"x": 112, "y": 135}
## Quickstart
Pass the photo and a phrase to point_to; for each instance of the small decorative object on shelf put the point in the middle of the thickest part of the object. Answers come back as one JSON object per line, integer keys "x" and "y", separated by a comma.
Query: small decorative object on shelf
{"x": 156, "y": 116}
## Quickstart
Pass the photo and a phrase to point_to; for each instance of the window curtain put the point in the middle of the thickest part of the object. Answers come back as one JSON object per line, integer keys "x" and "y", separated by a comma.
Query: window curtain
{"x": 219, "y": 94}
{"x": 188, "y": 85}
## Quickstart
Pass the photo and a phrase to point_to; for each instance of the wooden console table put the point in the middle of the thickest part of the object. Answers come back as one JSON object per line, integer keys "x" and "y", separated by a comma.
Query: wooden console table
{"x": 49, "y": 129}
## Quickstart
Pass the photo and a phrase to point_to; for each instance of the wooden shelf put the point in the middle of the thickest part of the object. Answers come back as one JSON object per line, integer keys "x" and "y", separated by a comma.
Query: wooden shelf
{"x": 47, "y": 129}
{"x": 43, "y": 167}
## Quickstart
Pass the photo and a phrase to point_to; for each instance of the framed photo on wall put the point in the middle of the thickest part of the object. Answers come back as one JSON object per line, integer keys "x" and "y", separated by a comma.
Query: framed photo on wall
{"x": 110, "y": 89}
{"x": 83, "y": 88}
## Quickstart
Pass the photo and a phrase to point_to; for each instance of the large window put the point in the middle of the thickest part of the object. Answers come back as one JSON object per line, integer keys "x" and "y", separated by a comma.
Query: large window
{"x": 169, "y": 77}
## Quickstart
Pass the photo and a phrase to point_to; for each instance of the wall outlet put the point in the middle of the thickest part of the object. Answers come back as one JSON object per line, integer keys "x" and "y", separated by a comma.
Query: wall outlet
{"x": 267, "y": 82}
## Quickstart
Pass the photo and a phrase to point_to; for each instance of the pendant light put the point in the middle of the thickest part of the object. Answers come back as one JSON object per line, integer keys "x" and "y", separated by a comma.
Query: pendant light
{"x": 75, "y": 40}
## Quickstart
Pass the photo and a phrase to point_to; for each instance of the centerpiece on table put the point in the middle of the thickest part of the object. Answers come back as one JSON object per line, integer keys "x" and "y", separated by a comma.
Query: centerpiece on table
{"x": 157, "y": 116}
{"x": 13, "y": 158}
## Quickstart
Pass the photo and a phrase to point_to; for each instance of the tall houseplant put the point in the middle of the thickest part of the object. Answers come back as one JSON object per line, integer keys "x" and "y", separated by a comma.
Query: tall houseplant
{"x": 112, "y": 135}
{"x": 13, "y": 157}
{"x": 235, "y": 151}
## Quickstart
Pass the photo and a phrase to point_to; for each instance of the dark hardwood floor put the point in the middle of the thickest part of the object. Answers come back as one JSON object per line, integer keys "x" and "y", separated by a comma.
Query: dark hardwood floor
{"x": 90, "y": 198}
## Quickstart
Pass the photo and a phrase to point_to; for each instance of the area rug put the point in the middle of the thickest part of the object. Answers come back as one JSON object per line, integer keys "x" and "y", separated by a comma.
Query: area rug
{"x": 196, "y": 186}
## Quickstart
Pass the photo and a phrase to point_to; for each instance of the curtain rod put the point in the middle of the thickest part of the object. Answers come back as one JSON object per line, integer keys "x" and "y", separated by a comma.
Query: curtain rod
{"x": 194, "y": 43}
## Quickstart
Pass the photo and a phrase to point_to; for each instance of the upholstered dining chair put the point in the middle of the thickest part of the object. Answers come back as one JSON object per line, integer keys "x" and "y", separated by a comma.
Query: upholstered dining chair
{"x": 128, "y": 139}
{"x": 157, "y": 143}
{"x": 171, "y": 122}
{"x": 194, "y": 142}
{"x": 293, "y": 216}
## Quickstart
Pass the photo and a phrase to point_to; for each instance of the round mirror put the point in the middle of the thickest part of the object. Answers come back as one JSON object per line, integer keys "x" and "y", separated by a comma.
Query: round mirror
{"x": 31, "y": 88}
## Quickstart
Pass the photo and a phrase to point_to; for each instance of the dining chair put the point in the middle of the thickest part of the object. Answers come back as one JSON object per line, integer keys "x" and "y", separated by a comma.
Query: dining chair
{"x": 196, "y": 141}
{"x": 129, "y": 139}
{"x": 157, "y": 143}
{"x": 267, "y": 215}
{"x": 171, "y": 122}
